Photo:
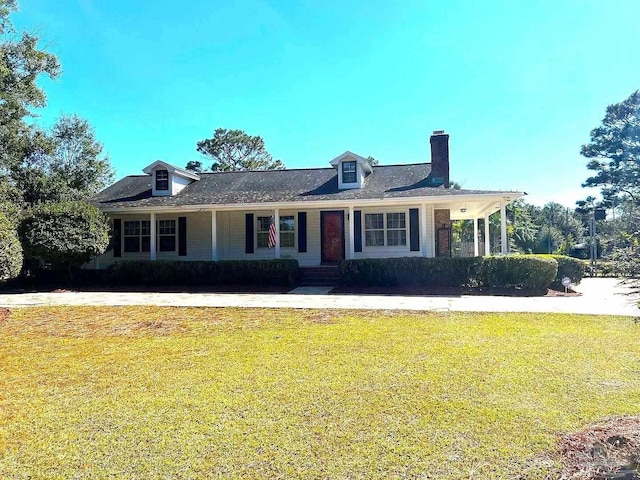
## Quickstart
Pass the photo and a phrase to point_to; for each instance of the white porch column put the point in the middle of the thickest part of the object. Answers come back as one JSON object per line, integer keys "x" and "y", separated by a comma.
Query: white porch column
{"x": 276, "y": 219}
{"x": 487, "y": 236}
{"x": 503, "y": 228}
{"x": 152, "y": 224}
{"x": 214, "y": 235}
{"x": 476, "y": 246}
{"x": 423, "y": 229}
{"x": 352, "y": 236}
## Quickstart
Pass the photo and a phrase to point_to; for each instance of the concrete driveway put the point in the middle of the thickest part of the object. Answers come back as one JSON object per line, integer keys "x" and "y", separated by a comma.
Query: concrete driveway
{"x": 599, "y": 296}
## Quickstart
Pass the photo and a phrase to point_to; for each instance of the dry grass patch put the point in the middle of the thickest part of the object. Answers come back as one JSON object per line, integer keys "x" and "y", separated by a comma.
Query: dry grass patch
{"x": 146, "y": 392}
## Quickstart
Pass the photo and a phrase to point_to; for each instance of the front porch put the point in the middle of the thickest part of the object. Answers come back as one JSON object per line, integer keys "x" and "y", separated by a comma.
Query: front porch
{"x": 313, "y": 235}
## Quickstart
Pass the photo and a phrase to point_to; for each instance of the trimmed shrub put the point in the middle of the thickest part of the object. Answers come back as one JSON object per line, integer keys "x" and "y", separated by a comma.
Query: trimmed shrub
{"x": 225, "y": 272}
{"x": 65, "y": 234}
{"x": 524, "y": 272}
{"x": 518, "y": 271}
{"x": 573, "y": 268}
{"x": 410, "y": 271}
{"x": 10, "y": 250}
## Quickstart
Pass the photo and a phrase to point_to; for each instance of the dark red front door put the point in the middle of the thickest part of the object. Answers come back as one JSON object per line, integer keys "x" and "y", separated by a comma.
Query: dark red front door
{"x": 332, "y": 234}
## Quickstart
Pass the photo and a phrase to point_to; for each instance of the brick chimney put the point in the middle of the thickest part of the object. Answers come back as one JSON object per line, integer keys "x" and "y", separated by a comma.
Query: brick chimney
{"x": 440, "y": 158}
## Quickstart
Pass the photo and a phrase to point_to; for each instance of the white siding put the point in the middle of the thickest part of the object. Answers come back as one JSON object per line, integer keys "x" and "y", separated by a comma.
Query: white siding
{"x": 231, "y": 237}
{"x": 431, "y": 235}
{"x": 198, "y": 236}
{"x": 178, "y": 183}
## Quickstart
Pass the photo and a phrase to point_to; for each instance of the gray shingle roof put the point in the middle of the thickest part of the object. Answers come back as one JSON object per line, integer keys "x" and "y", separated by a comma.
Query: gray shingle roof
{"x": 272, "y": 186}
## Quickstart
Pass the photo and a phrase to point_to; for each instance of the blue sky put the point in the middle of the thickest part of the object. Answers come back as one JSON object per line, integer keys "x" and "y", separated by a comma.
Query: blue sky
{"x": 518, "y": 84}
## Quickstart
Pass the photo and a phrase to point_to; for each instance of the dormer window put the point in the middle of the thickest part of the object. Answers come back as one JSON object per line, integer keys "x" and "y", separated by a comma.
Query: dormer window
{"x": 162, "y": 180}
{"x": 352, "y": 170}
{"x": 167, "y": 179}
{"x": 349, "y": 172}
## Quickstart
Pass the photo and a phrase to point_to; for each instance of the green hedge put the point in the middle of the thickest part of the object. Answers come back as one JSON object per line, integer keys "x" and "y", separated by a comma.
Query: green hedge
{"x": 447, "y": 272}
{"x": 524, "y": 272}
{"x": 518, "y": 271}
{"x": 228, "y": 272}
{"x": 573, "y": 268}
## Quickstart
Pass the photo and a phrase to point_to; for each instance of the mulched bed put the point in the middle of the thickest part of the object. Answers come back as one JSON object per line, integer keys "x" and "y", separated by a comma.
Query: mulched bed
{"x": 604, "y": 451}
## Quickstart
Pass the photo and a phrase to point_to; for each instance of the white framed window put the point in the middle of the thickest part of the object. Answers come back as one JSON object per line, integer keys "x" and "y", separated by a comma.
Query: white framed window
{"x": 162, "y": 180}
{"x": 263, "y": 232}
{"x": 385, "y": 229}
{"x": 137, "y": 236}
{"x": 374, "y": 229}
{"x": 166, "y": 236}
{"x": 349, "y": 172}
{"x": 396, "y": 229}
{"x": 287, "y": 231}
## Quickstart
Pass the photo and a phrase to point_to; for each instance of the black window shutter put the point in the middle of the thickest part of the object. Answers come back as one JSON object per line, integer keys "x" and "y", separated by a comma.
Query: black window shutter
{"x": 117, "y": 237}
{"x": 182, "y": 236}
{"x": 414, "y": 230}
{"x": 357, "y": 234}
{"x": 302, "y": 232}
{"x": 248, "y": 231}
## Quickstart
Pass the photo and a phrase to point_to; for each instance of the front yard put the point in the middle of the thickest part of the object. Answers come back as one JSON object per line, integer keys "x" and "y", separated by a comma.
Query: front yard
{"x": 147, "y": 392}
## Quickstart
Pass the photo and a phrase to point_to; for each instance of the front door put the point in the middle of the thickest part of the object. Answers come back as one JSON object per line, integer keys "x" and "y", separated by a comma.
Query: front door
{"x": 332, "y": 236}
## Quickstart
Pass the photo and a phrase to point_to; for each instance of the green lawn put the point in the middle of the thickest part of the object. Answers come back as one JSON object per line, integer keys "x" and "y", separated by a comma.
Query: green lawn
{"x": 144, "y": 392}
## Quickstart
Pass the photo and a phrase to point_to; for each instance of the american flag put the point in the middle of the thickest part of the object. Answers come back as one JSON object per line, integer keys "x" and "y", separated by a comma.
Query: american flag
{"x": 272, "y": 232}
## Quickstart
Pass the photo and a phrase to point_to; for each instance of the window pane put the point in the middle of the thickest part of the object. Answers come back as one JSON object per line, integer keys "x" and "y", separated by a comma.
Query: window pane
{"x": 131, "y": 244}
{"x": 167, "y": 227}
{"x": 349, "y": 177}
{"x": 373, "y": 221}
{"x": 348, "y": 167}
{"x": 396, "y": 237}
{"x": 263, "y": 240}
{"x": 132, "y": 228}
{"x": 374, "y": 238}
{"x": 145, "y": 227}
{"x": 287, "y": 239}
{"x": 395, "y": 220}
{"x": 263, "y": 224}
{"x": 167, "y": 243}
{"x": 287, "y": 224}
{"x": 146, "y": 244}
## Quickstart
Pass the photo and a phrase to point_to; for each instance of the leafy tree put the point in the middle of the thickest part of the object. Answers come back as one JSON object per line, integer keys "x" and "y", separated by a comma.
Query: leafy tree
{"x": 614, "y": 151}
{"x": 64, "y": 165}
{"x": 77, "y": 158}
{"x": 195, "y": 166}
{"x": 65, "y": 234}
{"x": 373, "y": 161}
{"x": 522, "y": 229}
{"x": 21, "y": 65}
{"x": 234, "y": 150}
{"x": 10, "y": 201}
{"x": 10, "y": 250}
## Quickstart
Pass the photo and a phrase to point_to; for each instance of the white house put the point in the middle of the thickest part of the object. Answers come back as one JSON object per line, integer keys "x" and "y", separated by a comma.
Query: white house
{"x": 321, "y": 215}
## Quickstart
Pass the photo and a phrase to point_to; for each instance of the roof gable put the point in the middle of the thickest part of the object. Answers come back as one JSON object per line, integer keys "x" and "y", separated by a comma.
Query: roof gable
{"x": 170, "y": 168}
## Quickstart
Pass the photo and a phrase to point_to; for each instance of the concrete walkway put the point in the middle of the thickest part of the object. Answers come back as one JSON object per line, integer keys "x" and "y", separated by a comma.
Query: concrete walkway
{"x": 599, "y": 296}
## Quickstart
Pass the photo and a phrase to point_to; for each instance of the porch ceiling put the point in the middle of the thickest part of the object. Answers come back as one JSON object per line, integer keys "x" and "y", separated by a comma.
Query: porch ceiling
{"x": 476, "y": 208}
